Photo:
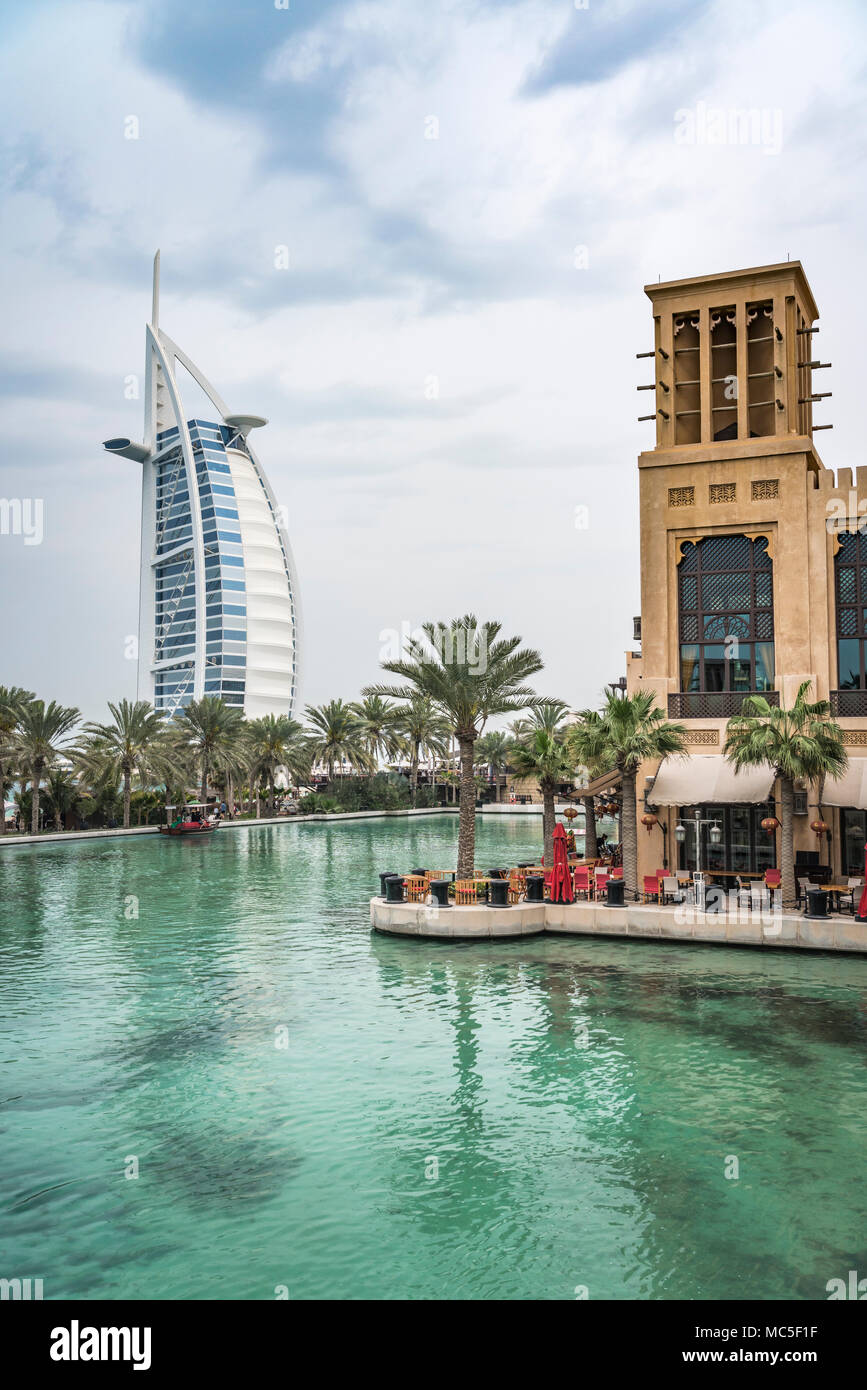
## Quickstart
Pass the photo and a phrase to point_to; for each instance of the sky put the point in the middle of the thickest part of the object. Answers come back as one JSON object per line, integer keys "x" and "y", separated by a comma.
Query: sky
{"x": 415, "y": 237}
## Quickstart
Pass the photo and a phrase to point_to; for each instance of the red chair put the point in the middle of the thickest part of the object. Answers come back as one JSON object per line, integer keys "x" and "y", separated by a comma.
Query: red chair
{"x": 618, "y": 872}
{"x": 773, "y": 878}
{"x": 581, "y": 882}
{"x": 599, "y": 885}
{"x": 652, "y": 887}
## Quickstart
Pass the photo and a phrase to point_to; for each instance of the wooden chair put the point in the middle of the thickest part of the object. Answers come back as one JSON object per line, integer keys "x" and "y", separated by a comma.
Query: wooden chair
{"x": 773, "y": 878}
{"x": 600, "y": 880}
{"x": 517, "y": 886}
{"x": 465, "y": 892}
{"x": 652, "y": 887}
{"x": 416, "y": 888}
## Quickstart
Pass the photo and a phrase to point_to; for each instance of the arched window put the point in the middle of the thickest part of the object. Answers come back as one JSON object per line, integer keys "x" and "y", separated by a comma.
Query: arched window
{"x": 850, "y": 588}
{"x": 726, "y": 609}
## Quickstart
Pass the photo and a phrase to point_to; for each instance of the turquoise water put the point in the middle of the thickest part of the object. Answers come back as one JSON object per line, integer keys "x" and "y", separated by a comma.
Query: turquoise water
{"x": 580, "y": 1097}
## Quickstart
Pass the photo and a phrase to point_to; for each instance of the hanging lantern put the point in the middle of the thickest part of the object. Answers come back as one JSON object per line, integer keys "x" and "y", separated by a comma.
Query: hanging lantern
{"x": 818, "y": 827}
{"x": 649, "y": 820}
{"x": 570, "y": 813}
{"x": 769, "y": 824}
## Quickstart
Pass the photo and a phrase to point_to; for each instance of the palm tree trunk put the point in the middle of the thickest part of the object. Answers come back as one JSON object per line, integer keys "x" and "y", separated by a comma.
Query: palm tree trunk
{"x": 258, "y": 801}
{"x": 467, "y": 818}
{"x": 203, "y": 796}
{"x": 34, "y": 813}
{"x": 787, "y": 851}
{"x": 549, "y": 820}
{"x": 230, "y": 793}
{"x": 413, "y": 773}
{"x": 3, "y": 799}
{"x": 629, "y": 836}
{"x": 591, "y": 844}
{"x": 127, "y": 793}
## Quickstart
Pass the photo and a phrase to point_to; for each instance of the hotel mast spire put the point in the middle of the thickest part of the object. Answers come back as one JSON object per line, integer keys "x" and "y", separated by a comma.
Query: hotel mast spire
{"x": 155, "y": 302}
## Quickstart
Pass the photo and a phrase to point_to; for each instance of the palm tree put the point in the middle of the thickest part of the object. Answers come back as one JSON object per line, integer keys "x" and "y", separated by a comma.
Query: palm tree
{"x": 63, "y": 792}
{"x": 136, "y": 741}
{"x": 630, "y": 730}
{"x": 470, "y": 674}
{"x": 275, "y": 742}
{"x": 423, "y": 733}
{"x": 12, "y": 700}
{"x": 542, "y": 752}
{"x": 338, "y": 736}
{"x": 208, "y": 729}
{"x": 580, "y": 738}
{"x": 801, "y": 742}
{"x": 378, "y": 726}
{"x": 39, "y": 739}
{"x": 493, "y": 750}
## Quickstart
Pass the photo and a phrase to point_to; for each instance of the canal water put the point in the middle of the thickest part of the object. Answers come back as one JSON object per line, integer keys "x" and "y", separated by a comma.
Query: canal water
{"x": 216, "y": 1083}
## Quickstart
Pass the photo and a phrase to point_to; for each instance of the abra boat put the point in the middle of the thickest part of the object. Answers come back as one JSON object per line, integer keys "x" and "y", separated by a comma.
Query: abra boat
{"x": 190, "y": 820}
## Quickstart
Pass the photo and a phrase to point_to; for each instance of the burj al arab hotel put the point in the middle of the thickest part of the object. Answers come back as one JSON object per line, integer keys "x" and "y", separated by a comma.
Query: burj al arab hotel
{"x": 218, "y": 607}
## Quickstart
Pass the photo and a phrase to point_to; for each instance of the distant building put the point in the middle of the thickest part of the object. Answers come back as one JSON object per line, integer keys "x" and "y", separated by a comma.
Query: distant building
{"x": 218, "y": 608}
{"x": 753, "y": 569}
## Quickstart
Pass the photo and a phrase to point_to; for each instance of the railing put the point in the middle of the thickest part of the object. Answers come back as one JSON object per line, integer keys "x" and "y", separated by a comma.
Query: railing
{"x": 714, "y": 704}
{"x": 848, "y": 704}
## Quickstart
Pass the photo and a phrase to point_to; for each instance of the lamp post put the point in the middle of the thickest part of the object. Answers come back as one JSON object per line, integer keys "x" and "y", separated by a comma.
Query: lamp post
{"x": 698, "y": 820}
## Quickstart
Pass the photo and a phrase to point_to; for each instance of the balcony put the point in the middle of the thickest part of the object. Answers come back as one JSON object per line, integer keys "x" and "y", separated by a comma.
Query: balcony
{"x": 848, "y": 704}
{"x": 718, "y": 704}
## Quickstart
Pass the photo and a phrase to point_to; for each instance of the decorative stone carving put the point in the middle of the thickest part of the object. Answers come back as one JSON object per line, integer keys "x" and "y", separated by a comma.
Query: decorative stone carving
{"x": 765, "y": 489}
{"x": 681, "y": 496}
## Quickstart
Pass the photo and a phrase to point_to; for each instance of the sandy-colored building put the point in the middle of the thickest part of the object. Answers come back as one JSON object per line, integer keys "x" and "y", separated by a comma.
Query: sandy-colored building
{"x": 753, "y": 572}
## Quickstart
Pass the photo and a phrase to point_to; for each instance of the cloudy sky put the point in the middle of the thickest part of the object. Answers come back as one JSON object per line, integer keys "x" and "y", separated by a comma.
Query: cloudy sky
{"x": 471, "y": 194}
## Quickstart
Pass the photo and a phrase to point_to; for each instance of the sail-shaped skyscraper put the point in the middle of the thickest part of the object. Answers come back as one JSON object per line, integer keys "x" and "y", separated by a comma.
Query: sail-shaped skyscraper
{"x": 218, "y": 607}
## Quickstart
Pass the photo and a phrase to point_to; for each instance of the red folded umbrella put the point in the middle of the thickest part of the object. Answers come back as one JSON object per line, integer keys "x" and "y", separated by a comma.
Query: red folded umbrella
{"x": 561, "y": 879}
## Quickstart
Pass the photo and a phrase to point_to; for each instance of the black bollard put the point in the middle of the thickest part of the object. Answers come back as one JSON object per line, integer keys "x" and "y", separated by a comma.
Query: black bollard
{"x": 439, "y": 887}
{"x": 394, "y": 889}
{"x": 498, "y": 873}
{"x": 614, "y": 891}
{"x": 382, "y": 878}
{"x": 420, "y": 873}
{"x": 535, "y": 888}
{"x": 498, "y": 892}
{"x": 817, "y": 903}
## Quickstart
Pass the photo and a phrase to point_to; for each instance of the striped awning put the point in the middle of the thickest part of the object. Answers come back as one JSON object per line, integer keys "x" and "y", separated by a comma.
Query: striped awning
{"x": 709, "y": 779}
{"x": 850, "y": 789}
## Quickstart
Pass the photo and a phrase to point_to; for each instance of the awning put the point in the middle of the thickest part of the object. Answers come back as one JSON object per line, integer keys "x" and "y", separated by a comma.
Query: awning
{"x": 709, "y": 779}
{"x": 606, "y": 783}
{"x": 850, "y": 789}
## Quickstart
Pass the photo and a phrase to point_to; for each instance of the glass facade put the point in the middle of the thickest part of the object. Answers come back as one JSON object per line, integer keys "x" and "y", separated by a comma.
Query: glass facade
{"x": 744, "y": 846}
{"x": 174, "y": 580}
